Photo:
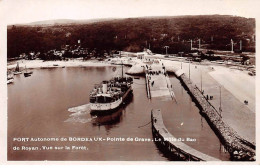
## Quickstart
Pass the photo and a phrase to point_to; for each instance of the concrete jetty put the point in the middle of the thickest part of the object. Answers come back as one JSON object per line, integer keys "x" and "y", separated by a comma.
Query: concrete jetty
{"x": 158, "y": 82}
{"x": 239, "y": 148}
{"x": 171, "y": 145}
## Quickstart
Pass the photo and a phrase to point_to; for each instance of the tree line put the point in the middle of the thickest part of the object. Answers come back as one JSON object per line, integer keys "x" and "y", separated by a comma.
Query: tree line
{"x": 135, "y": 34}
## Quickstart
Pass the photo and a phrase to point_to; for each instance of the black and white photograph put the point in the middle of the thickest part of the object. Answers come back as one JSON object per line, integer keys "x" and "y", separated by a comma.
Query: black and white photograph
{"x": 140, "y": 80}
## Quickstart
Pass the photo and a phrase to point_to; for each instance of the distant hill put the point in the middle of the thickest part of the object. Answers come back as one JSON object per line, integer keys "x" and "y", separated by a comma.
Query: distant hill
{"x": 63, "y": 22}
{"x": 134, "y": 34}
{"x": 53, "y": 22}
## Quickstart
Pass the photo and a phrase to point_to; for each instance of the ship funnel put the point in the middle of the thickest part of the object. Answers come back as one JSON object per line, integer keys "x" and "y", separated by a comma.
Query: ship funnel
{"x": 104, "y": 86}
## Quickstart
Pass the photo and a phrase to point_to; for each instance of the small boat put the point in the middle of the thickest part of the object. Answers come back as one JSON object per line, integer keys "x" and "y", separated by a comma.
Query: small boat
{"x": 17, "y": 73}
{"x": 10, "y": 78}
{"x": 9, "y": 81}
{"x": 63, "y": 66}
{"x": 55, "y": 65}
{"x": 17, "y": 70}
{"x": 27, "y": 74}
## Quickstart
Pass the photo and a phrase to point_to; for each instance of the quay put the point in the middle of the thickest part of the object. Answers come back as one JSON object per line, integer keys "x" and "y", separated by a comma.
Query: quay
{"x": 239, "y": 148}
{"x": 176, "y": 149}
{"x": 158, "y": 82}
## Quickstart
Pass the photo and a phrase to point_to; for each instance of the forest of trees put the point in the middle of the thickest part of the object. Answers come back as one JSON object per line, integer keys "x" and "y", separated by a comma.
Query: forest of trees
{"x": 134, "y": 34}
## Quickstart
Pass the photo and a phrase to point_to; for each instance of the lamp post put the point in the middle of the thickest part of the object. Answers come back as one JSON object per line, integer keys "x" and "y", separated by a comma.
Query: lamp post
{"x": 166, "y": 47}
{"x": 189, "y": 70}
{"x": 201, "y": 80}
{"x": 199, "y": 44}
{"x": 220, "y": 108}
{"x": 240, "y": 45}
{"x": 232, "y": 47}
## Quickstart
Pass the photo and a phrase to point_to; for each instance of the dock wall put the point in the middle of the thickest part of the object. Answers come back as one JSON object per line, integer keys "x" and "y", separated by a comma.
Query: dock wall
{"x": 170, "y": 145}
{"x": 239, "y": 148}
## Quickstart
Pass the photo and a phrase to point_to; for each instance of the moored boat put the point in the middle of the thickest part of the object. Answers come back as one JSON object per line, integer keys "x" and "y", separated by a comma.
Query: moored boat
{"x": 26, "y": 73}
{"x": 17, "y": 70}
{"x": 10, "y": 78}
{"x": 9, "y": 81}
{"x": 17, "y": 73}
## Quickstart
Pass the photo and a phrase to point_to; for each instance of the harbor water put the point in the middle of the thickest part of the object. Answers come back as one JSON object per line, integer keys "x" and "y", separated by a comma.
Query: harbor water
{"x": 53, "y": 103}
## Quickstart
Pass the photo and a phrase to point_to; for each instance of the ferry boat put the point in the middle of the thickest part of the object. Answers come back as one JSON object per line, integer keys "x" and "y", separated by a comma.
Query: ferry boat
{"x": 110, "y": 95}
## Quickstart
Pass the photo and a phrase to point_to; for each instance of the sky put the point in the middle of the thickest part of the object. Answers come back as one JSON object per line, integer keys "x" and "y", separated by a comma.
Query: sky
{"x": 26, "y": 11}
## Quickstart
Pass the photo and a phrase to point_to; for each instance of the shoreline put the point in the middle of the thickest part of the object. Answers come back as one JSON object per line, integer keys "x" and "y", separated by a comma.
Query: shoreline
{"x": 35, "y": 64}
{"x": 236, "y": 84}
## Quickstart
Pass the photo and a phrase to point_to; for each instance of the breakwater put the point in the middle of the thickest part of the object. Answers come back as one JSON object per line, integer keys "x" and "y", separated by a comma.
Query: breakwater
{"x": 169, "y": 145}
{"x": 239, "y": 148}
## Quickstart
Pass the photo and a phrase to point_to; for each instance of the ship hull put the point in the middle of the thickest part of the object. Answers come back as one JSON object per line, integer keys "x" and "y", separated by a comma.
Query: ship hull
{"x": 17, "y": 73}
{"x": 27, "y": 74}
{"x": 9, "y": 81}
{"x": 106, "y": 108}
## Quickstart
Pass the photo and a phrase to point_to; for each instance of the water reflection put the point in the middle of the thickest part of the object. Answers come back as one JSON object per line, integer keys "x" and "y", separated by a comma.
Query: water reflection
{"x": 110, "y": 119}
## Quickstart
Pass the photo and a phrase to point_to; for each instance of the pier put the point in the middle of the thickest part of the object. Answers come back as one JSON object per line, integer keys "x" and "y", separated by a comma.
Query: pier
{"x": 158, "y": 85}
{"x": 158, "y": 82}
{"x": 239, "y": 148}
{"x": 171, "y": 145}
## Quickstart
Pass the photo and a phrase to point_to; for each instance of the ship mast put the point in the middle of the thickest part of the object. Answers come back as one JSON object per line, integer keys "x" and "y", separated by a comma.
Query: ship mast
{"x": 122, "y": 64}
{"x": 17, "y": 67}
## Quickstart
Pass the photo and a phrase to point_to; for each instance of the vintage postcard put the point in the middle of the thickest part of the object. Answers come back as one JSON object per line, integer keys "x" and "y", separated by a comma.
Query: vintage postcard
{"x": 168, "y": 81}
